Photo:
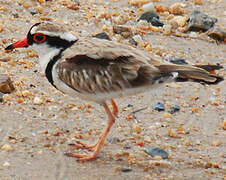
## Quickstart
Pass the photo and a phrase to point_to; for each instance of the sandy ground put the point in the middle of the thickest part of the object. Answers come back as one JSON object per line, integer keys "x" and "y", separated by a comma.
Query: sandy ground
{"x": 38, "y": 135}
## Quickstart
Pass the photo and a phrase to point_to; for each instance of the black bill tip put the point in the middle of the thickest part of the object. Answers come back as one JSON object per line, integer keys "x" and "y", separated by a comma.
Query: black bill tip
{"x": 10, "y": 47}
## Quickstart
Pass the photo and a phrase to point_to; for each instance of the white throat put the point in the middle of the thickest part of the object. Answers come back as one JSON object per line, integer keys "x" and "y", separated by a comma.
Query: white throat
{"x": 46, "y": 53}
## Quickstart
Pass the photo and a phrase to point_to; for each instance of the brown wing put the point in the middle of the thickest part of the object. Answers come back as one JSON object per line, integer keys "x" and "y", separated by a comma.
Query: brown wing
{"x": 93, "y": 65}
{"x": 85, "y": 74}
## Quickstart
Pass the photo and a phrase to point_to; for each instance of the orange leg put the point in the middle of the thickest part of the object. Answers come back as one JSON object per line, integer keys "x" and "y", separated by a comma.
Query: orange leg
{"x": 97, "y": 147}
{"x": 81, "y": 145}
{"x": 115, "y": 107}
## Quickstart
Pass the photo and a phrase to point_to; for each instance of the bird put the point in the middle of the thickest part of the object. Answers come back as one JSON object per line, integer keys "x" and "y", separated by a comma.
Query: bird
{"x": 100, "y": 70}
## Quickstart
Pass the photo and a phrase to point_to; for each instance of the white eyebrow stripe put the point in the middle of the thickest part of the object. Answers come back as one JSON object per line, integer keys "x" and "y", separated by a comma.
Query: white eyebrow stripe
{"x": 63, "y": 35}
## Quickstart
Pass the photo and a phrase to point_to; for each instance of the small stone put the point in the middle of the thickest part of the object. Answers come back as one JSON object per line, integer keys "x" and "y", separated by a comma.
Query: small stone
{"x": 6, "y": 164}
{"x": 167, "y": 115}
{"x": 159, "y": 106}
{"x": 174, "y": 108}
{"x": 138, "y": 2}
{"x": 217, "y": 33}
{"x": 224, "y": 125}
{"x": 102, "y": 35}
{"x": 125, "y": 31}
{"x": 199, "y": 21}
{"x": 180, "y": 61}
{"x": 26, "y": 93}
{"x": 132, "y": 41}
{"x": 167, "y": 29}
{"x": 6, "y": 85}
{"x": 136, "y": 128}
{"x": 7, "y": 147}
{"x": 6, "y": 97}
{"x": 156, "y": 22}
{"x": 37, "y": 101}
{"x": 32, "y": 11}
{"x": 156, "y": 151}
{"x": 177, "y": 9}
{"x": 126, "y": 169}
{"x": 151, "y": 17}
{"x": 15, "y": 15}
{"x": 148, "y": 7}
{"x": 1, "y": 97}
{"x": 4, "y": 58}
{"x": 180, "y": 20}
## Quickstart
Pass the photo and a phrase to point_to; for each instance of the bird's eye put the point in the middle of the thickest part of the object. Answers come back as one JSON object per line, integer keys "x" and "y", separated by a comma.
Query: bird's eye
{"x": 39, "y": 38}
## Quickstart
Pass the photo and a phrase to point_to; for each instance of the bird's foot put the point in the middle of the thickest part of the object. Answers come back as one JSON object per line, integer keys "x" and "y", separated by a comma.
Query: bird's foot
{"x": 83, "y": 157}
{"x": 80, "y": 145}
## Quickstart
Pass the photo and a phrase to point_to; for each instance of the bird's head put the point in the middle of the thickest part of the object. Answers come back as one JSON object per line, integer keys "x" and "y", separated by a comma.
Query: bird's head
{"x": 44, "y": 37}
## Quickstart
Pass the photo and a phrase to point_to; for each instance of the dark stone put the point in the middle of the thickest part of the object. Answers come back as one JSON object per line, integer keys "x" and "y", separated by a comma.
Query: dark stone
{"x": 6, "y": 85}
{"x": 32, "y": 86}
{"x": 102, "y": 35}
{"x": 132, "y": 41}
{"x": 148, "y": 16}
{"x": 156, "y": 22}
{"x": 151, "y": 17}
{"x": 199, "y": 21}
{"x": 32, "y": 11}
{"x": 129, "y": 105}
{"x": 158, "y": 106}
{"x": 156, "y": 151}
{"x": 174, "y": 108}
{"x": 1, "y": 97}
{"x": 180, "y": 61}
{"x": 126, "y": 169}
{"x": 15, "y": 14}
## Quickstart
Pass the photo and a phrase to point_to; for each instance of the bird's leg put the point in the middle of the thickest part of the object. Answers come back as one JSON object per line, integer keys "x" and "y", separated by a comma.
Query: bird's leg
{"x": 115, "y": 107}
{"x": 81, "y": 145}
{"x": 100, "y": 143}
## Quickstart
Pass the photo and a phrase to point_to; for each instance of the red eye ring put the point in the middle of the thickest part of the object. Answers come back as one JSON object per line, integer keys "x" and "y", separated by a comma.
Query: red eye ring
{"x": 37, "y": 40}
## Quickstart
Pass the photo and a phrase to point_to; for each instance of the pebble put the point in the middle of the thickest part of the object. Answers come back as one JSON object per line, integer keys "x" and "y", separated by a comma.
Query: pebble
{"x": 177, "y": 9}
{"x": 126, "y": 169}
{"x": 217, "y": 33}
{"x": 125, "y": 31}
{"x": 136, "y": 128}
{"x": 167, "y": 29}
{"x": 32, "y": 11}
{"x": 158, "y": 106}
{"x": 224, "y": 125}
{"x": 6, "y": 164}
{"x": 151, "y": 17}
{"x": 37, "y": 101}
{"x": 6, "y": 85}
{"x": 180, "y": 61}
{"x": 4, "y": 58}
{"x": 174, "y": 108}
{"x": 7, "y": 147}
{"x": 180, "y": 20}
{"x": 199, "y": 21}
{"x": 1, "y": 97}
{"x": 132, "y": 41}
{"x": 15, "y": 15}
{"x": 148, "y": 7}
{"x": 156, "y": 151}
{"x": 102, "y": 35}
{"x": 156, "y": 22}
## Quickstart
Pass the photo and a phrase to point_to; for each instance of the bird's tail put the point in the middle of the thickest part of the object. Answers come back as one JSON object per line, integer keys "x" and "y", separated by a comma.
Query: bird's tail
{"x": 198, "y": 73}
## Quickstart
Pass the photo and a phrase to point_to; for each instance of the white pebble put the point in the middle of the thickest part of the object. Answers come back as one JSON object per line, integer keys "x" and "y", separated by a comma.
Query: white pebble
{"x": 6, "y": 164}
{"x": 148, "y": 7}
{"x": 37, "y": 101}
